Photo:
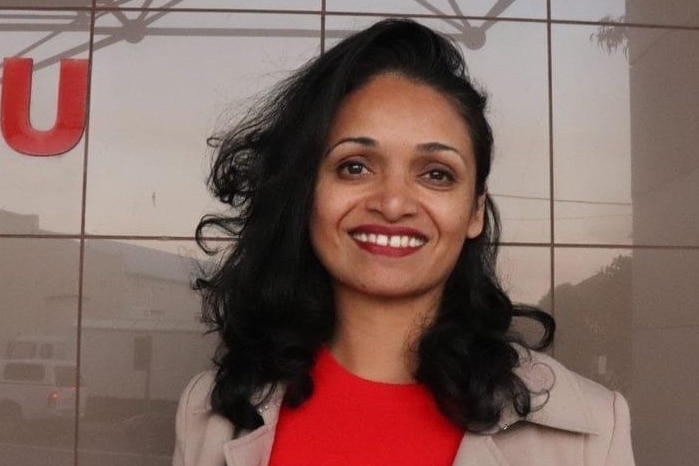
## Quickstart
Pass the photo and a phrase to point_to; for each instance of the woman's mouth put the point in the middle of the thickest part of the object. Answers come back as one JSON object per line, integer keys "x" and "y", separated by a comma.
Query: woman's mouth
{"x": 392, "y": 242}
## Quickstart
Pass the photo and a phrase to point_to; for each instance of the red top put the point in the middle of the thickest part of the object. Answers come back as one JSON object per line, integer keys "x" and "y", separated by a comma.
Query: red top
{"x": 354, "y": 421}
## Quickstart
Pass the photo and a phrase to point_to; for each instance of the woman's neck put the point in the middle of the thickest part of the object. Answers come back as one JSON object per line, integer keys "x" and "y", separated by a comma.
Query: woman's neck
{"x": 376, "y": 338}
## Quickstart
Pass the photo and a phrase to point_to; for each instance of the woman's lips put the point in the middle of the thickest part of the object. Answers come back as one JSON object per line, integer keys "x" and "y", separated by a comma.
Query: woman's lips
{"x": 388, "y": 241}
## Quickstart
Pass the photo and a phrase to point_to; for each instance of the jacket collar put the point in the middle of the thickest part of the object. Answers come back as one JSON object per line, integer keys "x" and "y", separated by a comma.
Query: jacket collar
{"x": 556, "y": 399}
{"x": 254, "y": 448}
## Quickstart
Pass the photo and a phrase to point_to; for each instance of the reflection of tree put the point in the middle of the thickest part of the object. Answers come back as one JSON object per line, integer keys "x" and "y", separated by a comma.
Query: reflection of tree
{"x": 611, "y": 36}
{"x": 594, "y": 324}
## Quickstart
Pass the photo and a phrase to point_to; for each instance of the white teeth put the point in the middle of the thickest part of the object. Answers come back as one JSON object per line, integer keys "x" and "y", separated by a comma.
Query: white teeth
{"x": 394, "y": 241}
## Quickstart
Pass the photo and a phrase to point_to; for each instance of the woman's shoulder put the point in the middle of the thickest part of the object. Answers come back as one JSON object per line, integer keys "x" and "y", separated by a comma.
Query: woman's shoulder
{"x": 199, "y": 433}
{"x": 572, "y": 409}
{"x": 196, "y": 396}
{"x": 565, "y": 399}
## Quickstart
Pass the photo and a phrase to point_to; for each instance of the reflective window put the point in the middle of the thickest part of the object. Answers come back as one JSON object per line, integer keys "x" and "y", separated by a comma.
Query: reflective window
{"x": 23, "y": 372}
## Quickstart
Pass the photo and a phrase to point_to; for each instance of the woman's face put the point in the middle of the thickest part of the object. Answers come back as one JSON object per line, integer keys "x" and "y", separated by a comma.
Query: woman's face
{"x": 395, "y": 198}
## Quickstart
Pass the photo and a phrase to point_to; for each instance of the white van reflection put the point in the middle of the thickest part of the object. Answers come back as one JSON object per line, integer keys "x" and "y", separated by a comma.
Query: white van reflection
{"x": 38, "y": 347}
{"x": 33, "y": 389}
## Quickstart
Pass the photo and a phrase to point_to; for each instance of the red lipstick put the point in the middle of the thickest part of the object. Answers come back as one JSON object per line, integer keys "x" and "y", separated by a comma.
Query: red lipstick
{"x": 388, "y": 241}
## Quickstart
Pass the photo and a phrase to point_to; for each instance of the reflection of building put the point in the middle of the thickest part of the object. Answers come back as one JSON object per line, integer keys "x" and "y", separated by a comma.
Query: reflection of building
{"x": 47, "y": 300}
{"x": 132, "y": 295}
{"x": 665, "y": 189}
{"x": 597, "y": 325}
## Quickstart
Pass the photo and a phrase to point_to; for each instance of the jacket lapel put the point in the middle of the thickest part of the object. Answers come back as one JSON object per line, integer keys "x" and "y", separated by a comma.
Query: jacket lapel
{"x": 255, "y": 448}
{"x": 252, "y": 449}
{"x": 479, "y": 450}
{"x": 557, "y": 400}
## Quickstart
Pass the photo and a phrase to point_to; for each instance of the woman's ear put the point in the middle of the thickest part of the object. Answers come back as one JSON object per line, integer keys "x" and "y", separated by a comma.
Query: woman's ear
{"x": 477, "y": 219}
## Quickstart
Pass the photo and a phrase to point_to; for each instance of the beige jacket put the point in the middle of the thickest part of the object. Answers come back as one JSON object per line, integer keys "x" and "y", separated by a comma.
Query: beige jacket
{"x": 579, "y": 423}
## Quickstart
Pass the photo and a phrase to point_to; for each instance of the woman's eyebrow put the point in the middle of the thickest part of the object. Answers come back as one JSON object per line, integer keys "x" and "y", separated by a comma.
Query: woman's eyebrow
{"x": 436, "y": 147}
{"x": 428, "y": 147}
{"x": 361, "y": 140}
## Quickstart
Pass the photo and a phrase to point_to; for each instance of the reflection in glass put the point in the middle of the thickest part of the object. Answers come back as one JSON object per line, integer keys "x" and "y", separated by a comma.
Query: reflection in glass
{"x": 488, "y": 8}
{"x": 42, "y": 195}
{"x": 525, "y": 272}
{"x": 629, "y": 321}
{"x": 307, "y": 5}
{"x": 157, "y": 161}
{"x": 592, "y": 141}
{"x": 589, "y": 10}
{"x": 665, "y": 102}
{"x": 593, "y": 309}
{"x": 141, "y": 342}
{"x": 669, "y": 13}
{"x": 38, "y": 374}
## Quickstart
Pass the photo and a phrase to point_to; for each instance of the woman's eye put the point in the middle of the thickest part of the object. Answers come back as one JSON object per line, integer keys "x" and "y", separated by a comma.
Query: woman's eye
{"x": 440, "y": 176}
{"x": 353, "y": 169}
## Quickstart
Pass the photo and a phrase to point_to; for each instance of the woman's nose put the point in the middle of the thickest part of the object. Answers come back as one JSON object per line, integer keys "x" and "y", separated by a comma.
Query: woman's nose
{"x": 394, "y": 198}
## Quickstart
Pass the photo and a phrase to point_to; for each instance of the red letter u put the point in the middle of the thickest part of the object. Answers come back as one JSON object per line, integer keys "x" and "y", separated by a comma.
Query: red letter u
{"x": 70, "y": 117}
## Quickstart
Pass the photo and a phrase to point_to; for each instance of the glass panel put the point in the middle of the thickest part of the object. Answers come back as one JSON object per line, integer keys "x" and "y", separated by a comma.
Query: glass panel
{"x": 589, "y": 10}
{"x": 525, "y": 273}
{"x": 153, "y": 109}
{"x": 592, "y": 142}
{"x": 518, "y": 112}
{"x": 489, "y": 8}
{"x": 592, "y": 305}
{"x": 41, "y": 194}
{"x": 65, "y": 376}
{"x": 625, "y": 136}
{"x": 142, "y": 341}
{"x": 47, "y": 4}
{"x": 39, "y": 288}
{"x": 667, "y": 12}
{"x": 308, "y": 5}
{"x": 23, "y": 372}
{"x": 664, "y": 402}
{"x": 630, "y": 322}
{"x": 664, "y": 136}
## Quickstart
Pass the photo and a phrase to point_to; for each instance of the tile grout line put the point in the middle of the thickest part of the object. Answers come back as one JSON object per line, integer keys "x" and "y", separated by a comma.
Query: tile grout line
{"x": 322, "y": 26}
{"x": 81, "y": 265}
{"x": 378, "y": 14}
{"x": 552, "y": 227}
{"x": 524, "y": 244}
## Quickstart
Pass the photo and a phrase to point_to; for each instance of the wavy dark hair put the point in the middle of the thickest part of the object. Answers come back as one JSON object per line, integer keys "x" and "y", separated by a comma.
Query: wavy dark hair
{"x": 271, "y": 300}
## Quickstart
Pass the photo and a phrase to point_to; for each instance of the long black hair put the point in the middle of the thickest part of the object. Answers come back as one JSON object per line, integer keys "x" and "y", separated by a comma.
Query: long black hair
{"x": 271, "y": 300}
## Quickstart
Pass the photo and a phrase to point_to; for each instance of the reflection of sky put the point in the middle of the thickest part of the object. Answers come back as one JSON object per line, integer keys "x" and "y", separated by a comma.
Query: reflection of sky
{"x": 591, "y": 138}
{"x": 177, "y": 94}
{"x": 590, "y": 10}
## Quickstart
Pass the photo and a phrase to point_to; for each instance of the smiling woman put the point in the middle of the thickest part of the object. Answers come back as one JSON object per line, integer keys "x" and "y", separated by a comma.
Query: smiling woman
{"x": 399, "y": 182}
{"x": 360, "y": 317}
